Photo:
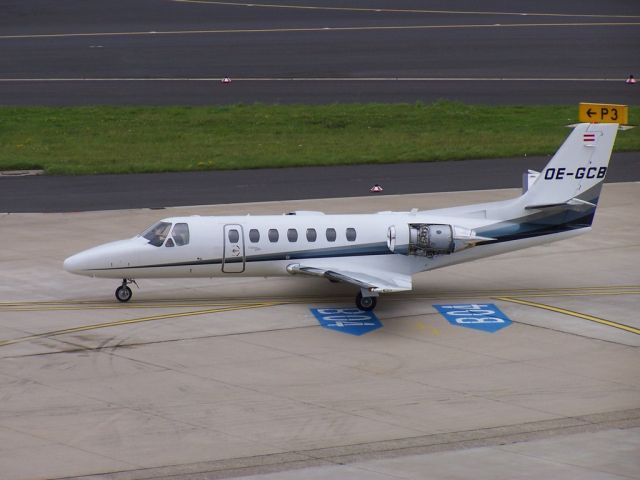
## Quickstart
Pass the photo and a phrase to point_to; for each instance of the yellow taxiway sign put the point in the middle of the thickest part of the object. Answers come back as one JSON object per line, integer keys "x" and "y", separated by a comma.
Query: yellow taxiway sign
{"x": 603, "y": 113}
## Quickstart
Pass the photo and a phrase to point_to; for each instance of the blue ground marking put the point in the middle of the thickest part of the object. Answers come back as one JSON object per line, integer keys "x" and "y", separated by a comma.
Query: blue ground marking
{"x": 480, "y": 316}
{"x": 347, "y": 320}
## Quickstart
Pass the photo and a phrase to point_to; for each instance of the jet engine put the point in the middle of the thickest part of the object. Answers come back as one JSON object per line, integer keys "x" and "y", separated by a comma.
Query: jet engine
{"x": 427, "y": 240}
{"x": 431, "y": 239}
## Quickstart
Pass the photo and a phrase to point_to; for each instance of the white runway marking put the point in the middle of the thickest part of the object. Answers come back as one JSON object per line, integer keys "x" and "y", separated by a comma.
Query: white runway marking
{"x": 310, "y": 79}
{"x": 321, "y": 29}
{"x": 401, "y": 10}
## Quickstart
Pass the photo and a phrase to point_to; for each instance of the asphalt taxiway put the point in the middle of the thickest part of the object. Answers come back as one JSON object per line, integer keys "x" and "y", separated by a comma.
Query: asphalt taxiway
{"x": 166, "y": 52}
{"x": 58, "y": 193}
{"x": 221, "y": 378}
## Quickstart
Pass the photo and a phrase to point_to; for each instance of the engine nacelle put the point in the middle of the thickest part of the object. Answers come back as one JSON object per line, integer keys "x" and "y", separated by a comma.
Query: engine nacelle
{"x": 427, "y": 240}
{"x": 431, "y": 239}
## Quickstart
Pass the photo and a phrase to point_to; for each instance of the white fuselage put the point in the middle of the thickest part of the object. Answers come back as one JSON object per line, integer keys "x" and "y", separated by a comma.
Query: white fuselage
{"x": 213, "y": 249}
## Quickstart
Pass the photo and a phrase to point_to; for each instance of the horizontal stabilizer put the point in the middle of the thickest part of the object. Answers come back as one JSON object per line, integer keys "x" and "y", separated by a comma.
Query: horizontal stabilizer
{"x": 528, "y": 178}
{"x": 573, "y": 201}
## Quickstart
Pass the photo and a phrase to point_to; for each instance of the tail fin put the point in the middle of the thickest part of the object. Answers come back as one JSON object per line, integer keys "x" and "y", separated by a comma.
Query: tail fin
{"x": 576, "y": 172}
{"x": 564, "y": 196}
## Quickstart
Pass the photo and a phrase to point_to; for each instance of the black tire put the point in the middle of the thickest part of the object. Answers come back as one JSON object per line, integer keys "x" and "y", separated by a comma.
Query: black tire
{"x": 366, "y": 304}
{"x": 123, "y": 293}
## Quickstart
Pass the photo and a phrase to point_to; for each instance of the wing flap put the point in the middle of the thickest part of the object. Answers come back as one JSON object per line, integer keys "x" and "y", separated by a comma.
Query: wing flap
{"x": 376, "y": 281}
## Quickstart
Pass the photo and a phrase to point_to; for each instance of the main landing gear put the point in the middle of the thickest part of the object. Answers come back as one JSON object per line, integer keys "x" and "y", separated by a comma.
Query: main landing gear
{"x": 123, "y": 292}
{"x": 366, "y": 303}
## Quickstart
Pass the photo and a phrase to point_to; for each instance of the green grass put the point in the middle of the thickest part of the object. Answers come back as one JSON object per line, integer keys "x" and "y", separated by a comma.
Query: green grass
{"x": 82, "y": 140}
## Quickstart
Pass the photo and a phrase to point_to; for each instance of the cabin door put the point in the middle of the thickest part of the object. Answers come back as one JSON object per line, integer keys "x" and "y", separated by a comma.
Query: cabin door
{"x": 233, "y": 256}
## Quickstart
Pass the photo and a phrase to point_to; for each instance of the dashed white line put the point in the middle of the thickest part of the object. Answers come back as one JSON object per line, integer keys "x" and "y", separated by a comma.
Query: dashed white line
{"x": 311, "y": 79}
{"x": 319, "y": 29}
{"x": 402, "y": 10}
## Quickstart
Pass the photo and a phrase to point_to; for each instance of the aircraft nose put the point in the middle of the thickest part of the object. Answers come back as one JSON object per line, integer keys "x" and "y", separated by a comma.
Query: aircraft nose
{"x": 93, "y": 261}
{"x": 74, "y": 264}
{"x": 85, "y": 262}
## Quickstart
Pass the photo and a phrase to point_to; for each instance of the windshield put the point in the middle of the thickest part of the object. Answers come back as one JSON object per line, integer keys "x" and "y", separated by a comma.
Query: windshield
{"x": 157, "y": 233}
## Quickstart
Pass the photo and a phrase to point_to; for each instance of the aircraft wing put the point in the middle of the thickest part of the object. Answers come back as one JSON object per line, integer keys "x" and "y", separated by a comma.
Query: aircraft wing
{"x": 373, "y": 280}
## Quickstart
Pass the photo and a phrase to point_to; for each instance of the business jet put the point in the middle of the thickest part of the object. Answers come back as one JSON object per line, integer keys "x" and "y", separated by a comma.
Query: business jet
{"x": 377, "y": 253}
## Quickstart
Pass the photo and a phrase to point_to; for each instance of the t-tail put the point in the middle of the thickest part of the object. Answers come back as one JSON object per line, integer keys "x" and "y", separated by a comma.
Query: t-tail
{"x": 562, "y": 199}
{"x": 575, "y": 174}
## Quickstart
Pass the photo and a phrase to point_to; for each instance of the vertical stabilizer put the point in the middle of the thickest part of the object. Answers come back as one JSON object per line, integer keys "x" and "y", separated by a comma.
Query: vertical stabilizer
{"x": 577, "y": 170}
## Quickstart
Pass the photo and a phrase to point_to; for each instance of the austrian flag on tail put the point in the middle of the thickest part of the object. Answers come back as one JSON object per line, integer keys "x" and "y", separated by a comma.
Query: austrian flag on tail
{"x": 589, "y": 138}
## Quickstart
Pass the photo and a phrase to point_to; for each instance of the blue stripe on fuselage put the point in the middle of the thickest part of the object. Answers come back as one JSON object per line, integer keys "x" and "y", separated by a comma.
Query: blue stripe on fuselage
{"x": 342, "y": 251}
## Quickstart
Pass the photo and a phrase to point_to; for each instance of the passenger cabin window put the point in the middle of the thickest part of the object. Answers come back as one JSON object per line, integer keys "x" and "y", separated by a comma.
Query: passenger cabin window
{"x": 311, "y": 234}
{"x": 273, "y": 235}
{"x": 234, "y": 236}
{"x": 351, "y": 234}
{"x": 331, "y": 234}
{"x": 180, "y": 234}
{"x": 254, "y": 235}
{"x": 157, "y": 233}
{"x": 292, "y": 235}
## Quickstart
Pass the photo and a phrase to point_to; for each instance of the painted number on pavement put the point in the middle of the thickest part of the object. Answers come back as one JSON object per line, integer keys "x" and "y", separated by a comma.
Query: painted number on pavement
{"x": 347, "y": 320}
{"x": 479, "y": 316}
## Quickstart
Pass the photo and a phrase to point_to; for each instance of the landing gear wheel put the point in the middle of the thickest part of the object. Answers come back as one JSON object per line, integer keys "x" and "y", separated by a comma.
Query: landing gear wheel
{"x": 366, "y": 304}
{"x": 123, "y": 293}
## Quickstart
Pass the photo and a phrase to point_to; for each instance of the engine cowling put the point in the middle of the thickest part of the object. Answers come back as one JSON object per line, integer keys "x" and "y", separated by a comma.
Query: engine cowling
{"x": 431, "y": 239}
{"x": 428, "y": 240}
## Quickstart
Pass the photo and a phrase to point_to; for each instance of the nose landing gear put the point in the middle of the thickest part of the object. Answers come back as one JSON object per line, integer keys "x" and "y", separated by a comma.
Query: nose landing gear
{"x": 123, "y": 292}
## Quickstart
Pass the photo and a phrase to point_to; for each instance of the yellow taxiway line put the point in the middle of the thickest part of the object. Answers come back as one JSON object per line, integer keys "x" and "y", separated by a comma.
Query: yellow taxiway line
{"x": 234, "y": 304}
{"x": 84, "y": 328}
{"x": 53, "y": 305}
{"x": 71, "y": 306}
{"x": 399, "y": 10}
{"x": 541, "y": 292}
{"x": 572, "y": 313}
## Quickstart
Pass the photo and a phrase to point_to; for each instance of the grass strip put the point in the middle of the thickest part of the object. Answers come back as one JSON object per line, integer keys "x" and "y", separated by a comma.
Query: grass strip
{"x": 88, "y": 140}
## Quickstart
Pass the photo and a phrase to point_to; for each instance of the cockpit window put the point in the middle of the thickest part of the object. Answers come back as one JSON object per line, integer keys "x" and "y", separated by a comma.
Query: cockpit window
{"x": 180, "y": 234}
{"x": 157, "y": 233}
